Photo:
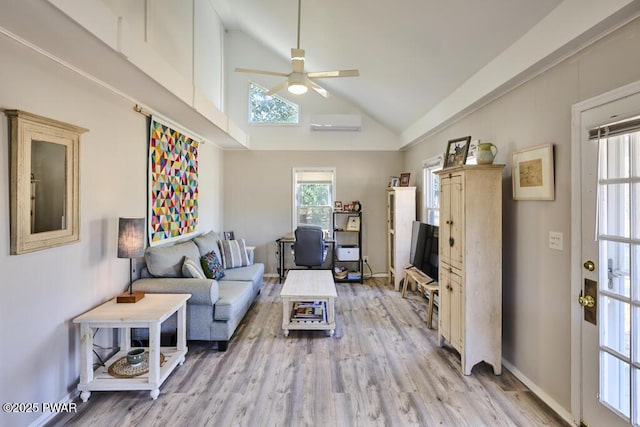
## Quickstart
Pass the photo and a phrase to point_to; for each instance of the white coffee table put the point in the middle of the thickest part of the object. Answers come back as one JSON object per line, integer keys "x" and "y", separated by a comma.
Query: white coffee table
{"x": 314, "y": 287}
{"x": 149, "y": 313}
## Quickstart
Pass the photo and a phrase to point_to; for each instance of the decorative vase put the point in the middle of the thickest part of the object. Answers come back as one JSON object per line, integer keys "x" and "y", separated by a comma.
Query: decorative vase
{"x": 485, "y": 153}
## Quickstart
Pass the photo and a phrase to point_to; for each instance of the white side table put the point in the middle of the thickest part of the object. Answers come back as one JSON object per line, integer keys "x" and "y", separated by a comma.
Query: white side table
{"x": 149, "y": 313}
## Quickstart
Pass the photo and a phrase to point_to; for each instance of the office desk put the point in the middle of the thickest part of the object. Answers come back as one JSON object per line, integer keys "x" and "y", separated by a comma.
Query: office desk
{"x": 291, "y": 239}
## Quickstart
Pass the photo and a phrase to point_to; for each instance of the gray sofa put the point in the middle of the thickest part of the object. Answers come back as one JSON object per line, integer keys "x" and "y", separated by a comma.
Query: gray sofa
{"x": 216, "y": 307}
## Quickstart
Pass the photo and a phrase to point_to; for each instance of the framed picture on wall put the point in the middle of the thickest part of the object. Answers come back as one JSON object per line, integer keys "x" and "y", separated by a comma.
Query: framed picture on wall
{"x": 457, "y": 150}
{"x": 532, "y": 173}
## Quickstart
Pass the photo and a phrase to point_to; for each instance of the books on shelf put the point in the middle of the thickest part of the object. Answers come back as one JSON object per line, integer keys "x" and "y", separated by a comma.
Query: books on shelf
{"x": 309, "y": 310}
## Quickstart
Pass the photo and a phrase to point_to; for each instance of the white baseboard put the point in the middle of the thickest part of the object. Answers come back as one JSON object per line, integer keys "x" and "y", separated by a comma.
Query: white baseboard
{"x": 555, "y": 406}
{"x": 48, "y": 416}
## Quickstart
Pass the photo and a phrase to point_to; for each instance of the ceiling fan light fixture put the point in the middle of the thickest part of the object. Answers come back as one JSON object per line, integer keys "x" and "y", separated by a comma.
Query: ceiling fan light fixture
{"x": 298, "y": 81}
{"x": 297, "y": 88}
{"x": 297, "y": 84}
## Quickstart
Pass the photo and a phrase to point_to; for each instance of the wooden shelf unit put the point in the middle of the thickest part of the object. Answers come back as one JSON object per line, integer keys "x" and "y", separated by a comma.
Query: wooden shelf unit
{"x": 401, "y": 212}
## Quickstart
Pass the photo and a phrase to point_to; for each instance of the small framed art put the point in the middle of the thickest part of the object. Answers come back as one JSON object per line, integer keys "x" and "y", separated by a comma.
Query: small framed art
{"x": 337, "y": 205}
{"x": 457, "y": 150}
{"x": 532, "y": 173}
{"x": 404, "y": 179}
{"x": 353, "y": 223}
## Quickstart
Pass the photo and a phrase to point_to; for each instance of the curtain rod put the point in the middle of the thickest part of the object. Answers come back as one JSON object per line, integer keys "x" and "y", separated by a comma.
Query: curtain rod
{"x": 139, "y": 109}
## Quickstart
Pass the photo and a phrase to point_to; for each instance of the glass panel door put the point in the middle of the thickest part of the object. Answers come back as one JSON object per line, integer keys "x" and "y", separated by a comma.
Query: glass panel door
{"x": 619, "y": 284}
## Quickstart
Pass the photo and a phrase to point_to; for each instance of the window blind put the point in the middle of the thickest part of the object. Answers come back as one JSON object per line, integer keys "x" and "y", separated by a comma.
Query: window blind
{"x": 617, "y": 128}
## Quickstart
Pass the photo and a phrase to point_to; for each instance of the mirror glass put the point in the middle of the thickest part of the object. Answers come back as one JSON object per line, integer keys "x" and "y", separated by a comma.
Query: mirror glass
{"x": 48, "y": 186}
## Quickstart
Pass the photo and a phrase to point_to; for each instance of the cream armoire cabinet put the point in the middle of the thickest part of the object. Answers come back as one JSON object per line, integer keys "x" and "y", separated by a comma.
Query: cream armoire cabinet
{"x": 401, "y": 212}
{"x": 470, "y": 264}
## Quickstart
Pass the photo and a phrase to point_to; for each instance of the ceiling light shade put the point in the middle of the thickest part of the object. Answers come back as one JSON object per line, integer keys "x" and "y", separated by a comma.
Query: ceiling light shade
{"x": 297, "y": 88}
{"x": 297, "y": 84}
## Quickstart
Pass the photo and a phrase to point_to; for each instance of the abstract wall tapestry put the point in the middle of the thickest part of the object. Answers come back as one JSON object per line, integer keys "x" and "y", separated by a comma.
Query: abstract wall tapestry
{"x": 173, "y": 184}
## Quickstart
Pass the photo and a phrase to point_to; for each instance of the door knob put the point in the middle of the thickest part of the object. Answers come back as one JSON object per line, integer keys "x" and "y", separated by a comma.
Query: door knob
{"x": 586, "y": 301}
{"x": 589, "y": 265}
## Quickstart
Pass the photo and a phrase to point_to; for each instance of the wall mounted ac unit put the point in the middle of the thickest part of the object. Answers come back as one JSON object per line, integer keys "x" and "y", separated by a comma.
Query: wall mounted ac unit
{"x": 343, "y": 122}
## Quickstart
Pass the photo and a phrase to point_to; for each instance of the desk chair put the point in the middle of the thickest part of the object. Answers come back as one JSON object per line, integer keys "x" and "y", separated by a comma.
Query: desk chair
{"x": 309, "y": 248}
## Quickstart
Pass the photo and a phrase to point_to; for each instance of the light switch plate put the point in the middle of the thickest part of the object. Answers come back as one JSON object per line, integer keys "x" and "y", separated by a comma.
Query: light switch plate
{"x": 555, "y": 240}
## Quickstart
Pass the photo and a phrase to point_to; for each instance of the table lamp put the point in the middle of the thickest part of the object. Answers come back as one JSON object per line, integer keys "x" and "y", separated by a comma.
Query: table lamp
{"x": 130, "y": 245}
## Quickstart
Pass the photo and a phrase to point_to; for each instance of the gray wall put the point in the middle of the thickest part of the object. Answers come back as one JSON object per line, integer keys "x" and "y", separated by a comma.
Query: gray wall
{"x": 41, "y": 292}
{"x": 536, "y": 279}
{"x": 258, "y": 200}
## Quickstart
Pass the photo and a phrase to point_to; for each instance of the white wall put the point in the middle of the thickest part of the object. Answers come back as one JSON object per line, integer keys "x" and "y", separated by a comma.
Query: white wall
{"x": 178, "y": 44}
{"x": 43, "y": 291}
{"x": 536, "y": 279}
{"x": 259, "y": 207}
{"x": 243, "y": 51}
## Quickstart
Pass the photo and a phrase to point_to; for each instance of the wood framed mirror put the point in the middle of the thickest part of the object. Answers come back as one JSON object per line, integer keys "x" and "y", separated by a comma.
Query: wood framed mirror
{"x": 44, "y": 188}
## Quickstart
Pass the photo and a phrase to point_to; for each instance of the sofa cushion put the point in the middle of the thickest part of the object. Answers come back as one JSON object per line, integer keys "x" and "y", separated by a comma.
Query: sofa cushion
{"x": 234, "y": 253}
{"x": 208, "y": 242}
{"x": 251, "y": 273}
{"x": 166, "y": 261}
{"x": 232, "y": 299}
{"x": 211, "y": 266}
{"x": 203, "y": 291}
{"x": 191, "y": 269}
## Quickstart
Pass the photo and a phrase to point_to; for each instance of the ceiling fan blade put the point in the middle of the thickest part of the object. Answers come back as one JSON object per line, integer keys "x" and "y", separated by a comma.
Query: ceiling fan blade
{"x": 297, "y": 60}
{"x": 269, "y": 73}
{"x": 319, "y": 89}
{"x": 337, "y": 73}
{"x": 278, "y": 88}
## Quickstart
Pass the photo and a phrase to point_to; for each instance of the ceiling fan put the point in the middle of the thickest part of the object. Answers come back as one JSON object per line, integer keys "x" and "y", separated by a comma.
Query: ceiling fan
{"x": 298, "y": 81}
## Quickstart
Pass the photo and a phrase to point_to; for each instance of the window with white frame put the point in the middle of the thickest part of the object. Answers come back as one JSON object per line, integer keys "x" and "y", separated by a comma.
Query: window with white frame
{"x": 271, "y": 109}
{"x": 313, "y": 196}
{"x": 430, "y": 190}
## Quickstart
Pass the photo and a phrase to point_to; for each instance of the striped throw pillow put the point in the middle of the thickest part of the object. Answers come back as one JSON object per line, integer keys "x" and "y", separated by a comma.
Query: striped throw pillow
{"x": 234, "y": 253}
{"x": 191, "y": 269}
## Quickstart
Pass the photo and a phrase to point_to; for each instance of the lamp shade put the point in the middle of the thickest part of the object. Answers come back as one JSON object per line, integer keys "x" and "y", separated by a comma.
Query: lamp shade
{"x": 131, "y": 237}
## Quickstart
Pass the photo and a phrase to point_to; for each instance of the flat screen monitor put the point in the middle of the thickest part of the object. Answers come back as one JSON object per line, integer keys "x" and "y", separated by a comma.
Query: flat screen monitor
{"x": 424, "y": 248}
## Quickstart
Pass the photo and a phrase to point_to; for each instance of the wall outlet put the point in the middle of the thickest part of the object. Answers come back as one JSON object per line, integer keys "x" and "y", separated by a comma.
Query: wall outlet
{"x": 365, "y": 259}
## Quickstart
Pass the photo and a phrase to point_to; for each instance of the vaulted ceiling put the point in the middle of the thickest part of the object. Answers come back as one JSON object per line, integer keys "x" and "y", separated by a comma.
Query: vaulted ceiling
{"x": 413, "y": 55}
{"x": 423, "y": 63}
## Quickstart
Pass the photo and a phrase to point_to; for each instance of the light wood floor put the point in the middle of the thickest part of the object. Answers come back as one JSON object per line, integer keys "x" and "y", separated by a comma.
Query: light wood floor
{"x": 383, "y": 367}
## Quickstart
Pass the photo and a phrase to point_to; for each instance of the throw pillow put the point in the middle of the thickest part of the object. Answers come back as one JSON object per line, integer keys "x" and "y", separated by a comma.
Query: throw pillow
{"x": 234, "y": 253}
{"x": 191, "y": 269}
{"x": 211, "y": 266}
